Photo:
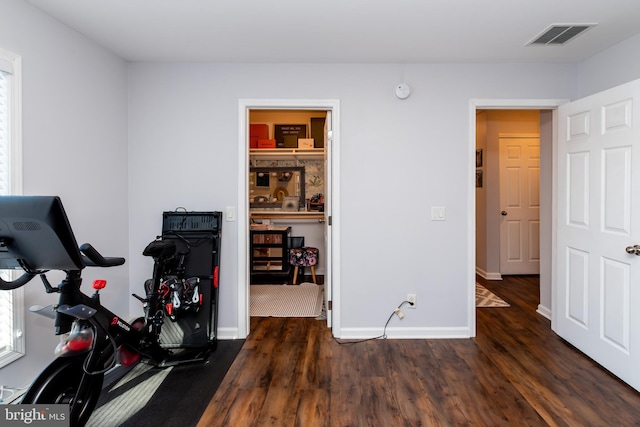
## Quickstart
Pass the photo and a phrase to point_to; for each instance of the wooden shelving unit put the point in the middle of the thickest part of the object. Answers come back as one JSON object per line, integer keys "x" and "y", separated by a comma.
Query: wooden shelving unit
{"x": 286, "y": 153}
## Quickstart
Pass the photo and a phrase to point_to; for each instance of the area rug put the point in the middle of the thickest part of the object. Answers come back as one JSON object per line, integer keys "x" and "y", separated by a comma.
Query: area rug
{"x": 486, "y": 298}
{"x": 145, "y": 396}
{"x": 303, "y": 300}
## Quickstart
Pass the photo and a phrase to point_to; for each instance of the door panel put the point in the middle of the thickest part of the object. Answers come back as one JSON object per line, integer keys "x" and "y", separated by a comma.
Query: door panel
{"x": 520, "y": 205}
{"x": 615, "y": 303}
{"x": 578, "y": 192}
{"x": 597, "y": 281}
{"x": 578, "y": 287}
{"x": 617, "y": 189}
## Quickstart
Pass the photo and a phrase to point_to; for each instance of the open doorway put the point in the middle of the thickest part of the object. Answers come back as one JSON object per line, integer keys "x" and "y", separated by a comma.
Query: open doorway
{"x": 313, "y": 213}
{"x": 507, "y": 192}
{"x": 487, "y": 206}
{"x": 287, "y": 190}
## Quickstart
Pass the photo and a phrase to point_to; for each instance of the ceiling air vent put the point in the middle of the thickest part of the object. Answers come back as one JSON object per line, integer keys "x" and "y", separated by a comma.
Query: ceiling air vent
{"x": 559, "y": 34}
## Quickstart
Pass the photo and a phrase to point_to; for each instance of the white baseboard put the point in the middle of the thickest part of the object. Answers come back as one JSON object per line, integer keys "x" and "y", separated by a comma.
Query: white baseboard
{"x": 544, "y": 311}
{"x": 365, "y": 333}
{"x": 488, "y": 276}
{"x": 229, "y": 334}
{"x": 403, "y": 333}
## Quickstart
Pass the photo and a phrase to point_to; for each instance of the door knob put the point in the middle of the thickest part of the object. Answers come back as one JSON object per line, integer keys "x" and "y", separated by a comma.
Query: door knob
{"x": 633, "y": 250}
{"x": 503, "y": 213}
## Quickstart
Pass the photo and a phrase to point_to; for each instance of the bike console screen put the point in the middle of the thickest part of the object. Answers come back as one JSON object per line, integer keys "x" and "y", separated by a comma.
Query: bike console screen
{"x": 35, "y": 233}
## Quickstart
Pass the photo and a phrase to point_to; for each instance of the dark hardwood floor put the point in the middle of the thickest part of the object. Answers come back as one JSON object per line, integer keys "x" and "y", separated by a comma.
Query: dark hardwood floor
{"x": 291, "y": 372}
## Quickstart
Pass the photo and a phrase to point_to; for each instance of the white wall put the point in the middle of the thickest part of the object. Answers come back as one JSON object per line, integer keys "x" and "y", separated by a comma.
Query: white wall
{"x": 74, "y": 142}
{"x": 403, "y": 157}
{"x": 612, "y": 67}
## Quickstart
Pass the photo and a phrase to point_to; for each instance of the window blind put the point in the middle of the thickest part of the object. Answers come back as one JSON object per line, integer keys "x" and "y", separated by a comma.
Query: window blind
{"x": 5, "y": 121}
{"x": 11, "y": 312}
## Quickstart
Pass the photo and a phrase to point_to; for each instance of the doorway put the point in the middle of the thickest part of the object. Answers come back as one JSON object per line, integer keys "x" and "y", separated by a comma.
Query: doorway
{"x": 331, "y": 221}
{"x": 487, "y": 242}
{"x": 507, "y": 192}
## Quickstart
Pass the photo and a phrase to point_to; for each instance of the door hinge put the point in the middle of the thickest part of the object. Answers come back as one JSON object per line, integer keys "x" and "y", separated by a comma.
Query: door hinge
{"x": 329, "y": 220}
{"x": 329, "y": 305}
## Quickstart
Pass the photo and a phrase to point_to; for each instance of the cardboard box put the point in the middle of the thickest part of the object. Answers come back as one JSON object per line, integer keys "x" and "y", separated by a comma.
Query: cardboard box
{"x": 257, "y": 131}
{"x": 266, "y": 143}
{"x": 260, "y": 130}
{"x": 317, "y": 131}
{"x": 290, "y": 141}
{"x": 305, "y": 143}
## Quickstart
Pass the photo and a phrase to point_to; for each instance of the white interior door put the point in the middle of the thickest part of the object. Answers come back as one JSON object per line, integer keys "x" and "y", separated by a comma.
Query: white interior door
{"x": 328, "y": 145}
{"x": 520, "y": 205}
{"x": 597, "y": 281}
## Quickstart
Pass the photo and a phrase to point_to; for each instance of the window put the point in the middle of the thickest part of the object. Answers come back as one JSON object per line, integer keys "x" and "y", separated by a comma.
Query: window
{"x": 11, "y": 302}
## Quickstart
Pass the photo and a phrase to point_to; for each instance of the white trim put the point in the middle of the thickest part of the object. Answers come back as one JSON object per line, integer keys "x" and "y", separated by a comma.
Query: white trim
{"x": 243, "y": 222}
{"x": 8, "y": 356}
{"x": 244, "y": 105}
{"x": 488, "y": 276}
{"x": 335, "y": 218}
{"x": 544, "y": 311}
{"x": 228, "y": 334}
{"x": 554, "y": 214}
{"x": 489, "y": 104}
{"x": 405, "y": 333}
{"x": 518, "y": 104}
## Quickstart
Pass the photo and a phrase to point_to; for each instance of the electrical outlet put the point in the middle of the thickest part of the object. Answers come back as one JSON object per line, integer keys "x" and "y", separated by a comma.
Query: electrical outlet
{"x": 413, "y": 302}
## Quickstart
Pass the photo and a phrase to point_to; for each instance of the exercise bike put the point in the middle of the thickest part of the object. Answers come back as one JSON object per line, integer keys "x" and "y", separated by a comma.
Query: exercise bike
{"x": 36, "y": 237}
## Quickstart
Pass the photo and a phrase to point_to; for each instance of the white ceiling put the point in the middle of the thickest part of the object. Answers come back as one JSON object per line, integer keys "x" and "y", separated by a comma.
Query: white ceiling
{"x": 345, "y": 30}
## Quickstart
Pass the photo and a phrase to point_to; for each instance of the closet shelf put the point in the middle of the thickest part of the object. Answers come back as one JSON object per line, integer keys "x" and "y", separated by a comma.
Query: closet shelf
{"x": 286, "y": 153}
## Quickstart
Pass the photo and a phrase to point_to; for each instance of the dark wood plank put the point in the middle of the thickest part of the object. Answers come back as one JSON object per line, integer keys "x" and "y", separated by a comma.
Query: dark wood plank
{"x": 313, "y": 408}
{"x": 516, "y": 371}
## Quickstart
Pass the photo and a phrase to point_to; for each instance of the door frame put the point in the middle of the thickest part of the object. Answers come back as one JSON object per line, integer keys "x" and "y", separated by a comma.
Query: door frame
{"x": 333, "y": 265}
{"x": 503, "y": 104}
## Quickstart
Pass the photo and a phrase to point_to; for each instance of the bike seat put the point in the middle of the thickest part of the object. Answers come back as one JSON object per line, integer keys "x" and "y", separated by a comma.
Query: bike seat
{"x": 160, "y": 249}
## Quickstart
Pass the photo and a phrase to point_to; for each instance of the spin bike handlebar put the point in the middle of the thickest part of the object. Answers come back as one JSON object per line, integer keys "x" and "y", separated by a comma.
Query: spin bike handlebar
{"x": 15, "y": 284}
{"x": 90, "y": 256}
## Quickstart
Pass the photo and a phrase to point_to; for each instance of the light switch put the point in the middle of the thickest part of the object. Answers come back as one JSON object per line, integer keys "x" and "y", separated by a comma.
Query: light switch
{"x": 231, "y": 213}
{"x": 437, "y": 213}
